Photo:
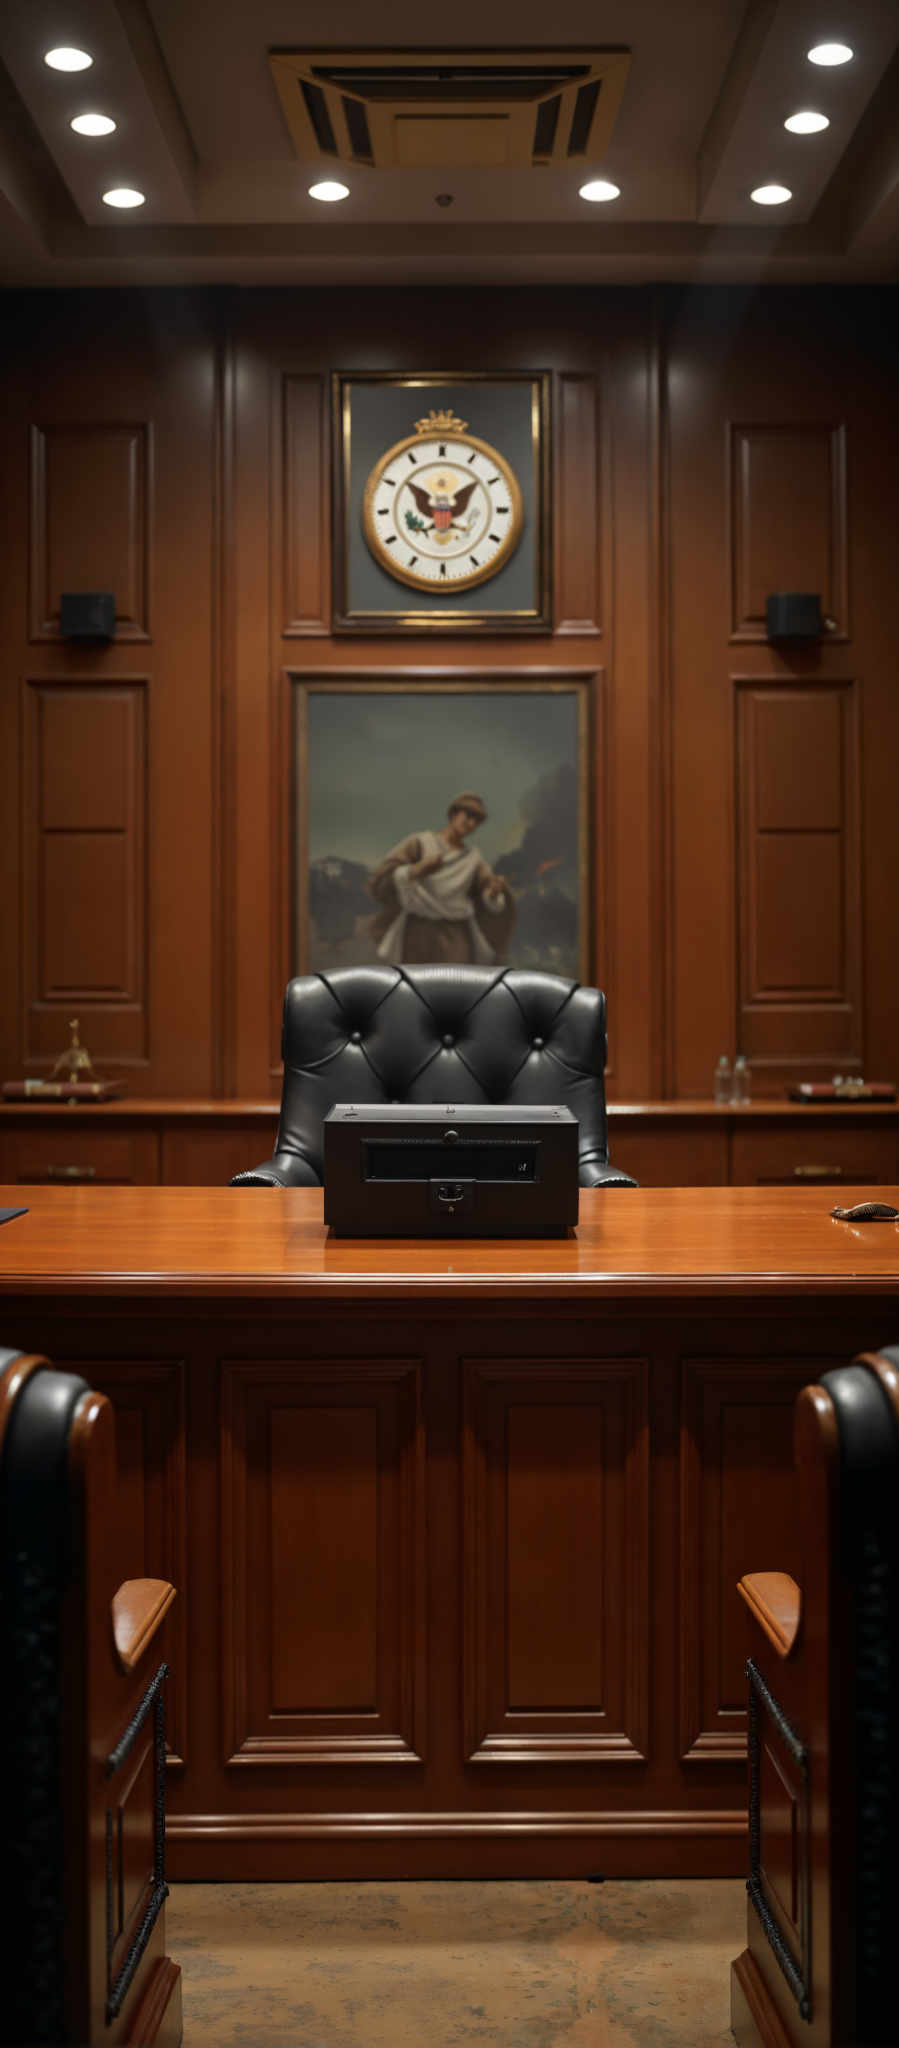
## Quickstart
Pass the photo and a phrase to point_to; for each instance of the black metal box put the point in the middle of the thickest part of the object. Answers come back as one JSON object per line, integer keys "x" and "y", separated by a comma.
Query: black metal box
{"x": 400, "y": 1169}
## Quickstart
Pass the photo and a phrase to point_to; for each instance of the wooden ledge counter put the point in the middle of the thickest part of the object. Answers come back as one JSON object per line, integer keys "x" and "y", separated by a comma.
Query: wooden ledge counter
{"x": 456, "y": 1527}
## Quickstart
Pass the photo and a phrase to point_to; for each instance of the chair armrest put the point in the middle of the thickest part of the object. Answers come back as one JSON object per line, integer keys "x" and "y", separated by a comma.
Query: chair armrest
{"x": 285, "y": 1170}
{"x": 775, "y": 1602}
{"x": 138, "y": 1610}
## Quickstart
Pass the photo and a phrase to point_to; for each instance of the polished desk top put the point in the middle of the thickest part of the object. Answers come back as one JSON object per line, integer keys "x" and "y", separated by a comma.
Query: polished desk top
{"x": 239, "y": 1242}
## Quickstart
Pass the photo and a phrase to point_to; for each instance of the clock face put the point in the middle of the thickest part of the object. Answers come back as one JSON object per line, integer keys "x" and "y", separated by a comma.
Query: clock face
{"x": 442, "y": 510}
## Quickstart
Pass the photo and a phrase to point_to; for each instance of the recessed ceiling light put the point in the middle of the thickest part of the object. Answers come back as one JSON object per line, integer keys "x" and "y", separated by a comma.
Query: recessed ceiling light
{"x": 122, "y": 195}
{"x": 771, "y": 195}
{"x": 806, "y": 124}
{"x": 830, "y": 53}
{"x": 600, "y": 188}
{"x": 68, "y": 60}
{"x": 93, "y": 124}
{"x": 329, "y": 190}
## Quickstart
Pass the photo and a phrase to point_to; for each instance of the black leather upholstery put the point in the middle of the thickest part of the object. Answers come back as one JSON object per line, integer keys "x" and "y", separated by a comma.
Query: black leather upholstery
{"x": 35, "y": 1566}
{"x": 868, "y": 1580}
{"x": 437, "y": 1034}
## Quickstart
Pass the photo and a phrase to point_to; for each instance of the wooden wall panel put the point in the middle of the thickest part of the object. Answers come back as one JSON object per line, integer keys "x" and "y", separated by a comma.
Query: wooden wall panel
{"x": 708, "y": 445}
{"x": 302, "y": 514}
{"x": 113, "y": 431}
{"x": 800, "y": 996}
{"x": 86, "y": 866}
{"x": 556, "y": 1467}
{"x": 788, "y": 521}
{"x": 578, "y": 605}
{"x": 738, "y": 1515}
{"x": 148, "y": 1398}
{"x": 781, "y": 471}
{"x": 91, "y": 521}
{"x": 322, "y": 1562}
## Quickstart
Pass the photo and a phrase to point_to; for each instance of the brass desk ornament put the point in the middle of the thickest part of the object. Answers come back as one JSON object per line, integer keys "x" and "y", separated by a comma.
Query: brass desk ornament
{"x": 75, "y": 1064}
{"x": 73, "y": 1079}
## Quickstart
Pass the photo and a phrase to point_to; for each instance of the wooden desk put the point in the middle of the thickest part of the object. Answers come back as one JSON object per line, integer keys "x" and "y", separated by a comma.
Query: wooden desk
{"x": 457, "y": 1528}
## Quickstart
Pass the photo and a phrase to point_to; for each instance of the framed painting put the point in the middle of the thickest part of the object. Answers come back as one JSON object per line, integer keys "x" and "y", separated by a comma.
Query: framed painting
{"x": 441, "y": 502}
{"x": 444, "y": 817}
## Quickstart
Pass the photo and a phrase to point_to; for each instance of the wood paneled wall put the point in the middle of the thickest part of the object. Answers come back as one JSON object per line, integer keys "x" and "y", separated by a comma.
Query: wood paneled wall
{"x": 708, "y": 447}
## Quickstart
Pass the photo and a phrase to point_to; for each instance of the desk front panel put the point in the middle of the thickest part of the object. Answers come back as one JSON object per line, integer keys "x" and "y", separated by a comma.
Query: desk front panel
{"x": 457, "y": 1588}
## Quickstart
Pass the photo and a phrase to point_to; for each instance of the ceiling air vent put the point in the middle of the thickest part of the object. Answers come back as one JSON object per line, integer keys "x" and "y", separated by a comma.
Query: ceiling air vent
{"x": 461, "y": 109}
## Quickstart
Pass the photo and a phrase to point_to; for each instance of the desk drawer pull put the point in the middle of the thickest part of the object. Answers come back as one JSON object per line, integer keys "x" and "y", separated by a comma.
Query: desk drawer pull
{"x": 71, "y": 1173}
{"x": 817, "y": 1173}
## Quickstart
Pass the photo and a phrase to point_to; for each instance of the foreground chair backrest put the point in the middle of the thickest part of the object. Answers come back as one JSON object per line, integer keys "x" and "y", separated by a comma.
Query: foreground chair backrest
{"x": 83, "y": 1928}
{"x": 437, "y": 1034}
{"x": 823, "y": 1674}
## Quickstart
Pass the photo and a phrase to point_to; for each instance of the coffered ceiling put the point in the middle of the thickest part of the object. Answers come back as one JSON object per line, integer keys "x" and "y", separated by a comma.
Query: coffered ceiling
{"x": 213, "y": 127}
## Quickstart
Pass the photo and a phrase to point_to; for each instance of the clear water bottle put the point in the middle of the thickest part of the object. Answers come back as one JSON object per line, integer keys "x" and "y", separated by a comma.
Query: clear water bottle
{"x": 722, "y": 1082}
{"x": 741, "y": 1088}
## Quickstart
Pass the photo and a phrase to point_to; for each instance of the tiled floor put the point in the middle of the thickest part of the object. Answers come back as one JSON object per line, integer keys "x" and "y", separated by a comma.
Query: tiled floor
{"x": 517, "y": 1965}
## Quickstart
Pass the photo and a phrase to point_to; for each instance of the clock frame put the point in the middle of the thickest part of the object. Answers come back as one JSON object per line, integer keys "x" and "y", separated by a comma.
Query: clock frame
{"x": 373, "y": 415}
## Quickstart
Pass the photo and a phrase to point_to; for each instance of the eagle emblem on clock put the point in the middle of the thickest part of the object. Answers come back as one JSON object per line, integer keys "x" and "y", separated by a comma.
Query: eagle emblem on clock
{"x": 443, "y": 509}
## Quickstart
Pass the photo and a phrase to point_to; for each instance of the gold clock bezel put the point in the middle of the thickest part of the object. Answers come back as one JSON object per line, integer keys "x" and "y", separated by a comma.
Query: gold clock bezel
{"x": 408, "y": 576}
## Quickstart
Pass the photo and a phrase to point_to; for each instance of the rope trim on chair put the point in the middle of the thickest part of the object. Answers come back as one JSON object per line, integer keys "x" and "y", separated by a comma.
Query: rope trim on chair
{"x": 760, "y": 1693}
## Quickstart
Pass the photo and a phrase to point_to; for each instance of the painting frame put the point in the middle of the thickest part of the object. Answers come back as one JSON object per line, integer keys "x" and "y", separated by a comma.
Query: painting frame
{"x": 585, "y": 685}
{"x": 413, "y": 612}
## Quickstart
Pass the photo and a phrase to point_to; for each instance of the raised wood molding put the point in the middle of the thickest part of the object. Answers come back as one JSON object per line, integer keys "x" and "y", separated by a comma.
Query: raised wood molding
{"x": 515, "y": 1496}
{"x": 372, "y": 1410}
{"x": 303, "y": 515}
{"x": 788, "y": 526}
{"x": 86, "y": 865}
{"x": 92, "y": 530}
{"x": 798, "y": 828}
{"x": 578, "y": 601}
{"x": 148, "y": 1396}
{"x": 722, "y": 1823}
{"x": 736, "y": 1452}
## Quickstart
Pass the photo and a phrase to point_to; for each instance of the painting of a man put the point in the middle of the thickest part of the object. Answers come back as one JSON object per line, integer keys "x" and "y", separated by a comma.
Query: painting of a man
{"x": 376, "y": 759}
{"x": 440, "y": 900}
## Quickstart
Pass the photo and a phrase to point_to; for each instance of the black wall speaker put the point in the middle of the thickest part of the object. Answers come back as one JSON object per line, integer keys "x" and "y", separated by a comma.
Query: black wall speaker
{"x": 87, "y": 615}
{"x": 794, "y": 615}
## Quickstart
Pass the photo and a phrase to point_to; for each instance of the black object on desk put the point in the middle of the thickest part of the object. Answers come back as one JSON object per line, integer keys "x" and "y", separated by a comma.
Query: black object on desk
{"x": 402, "y": 1169}
{"x": 6, "y": 1215}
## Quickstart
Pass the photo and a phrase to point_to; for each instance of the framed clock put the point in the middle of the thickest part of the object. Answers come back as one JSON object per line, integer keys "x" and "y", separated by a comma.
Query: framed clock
{"x": 441, "y": 503}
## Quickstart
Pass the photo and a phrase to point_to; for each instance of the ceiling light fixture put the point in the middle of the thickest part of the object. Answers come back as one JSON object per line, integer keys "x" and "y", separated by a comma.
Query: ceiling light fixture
{"x": 68, "y": 60}
{"x": 123, "y": 195}
{"x": 807, "y": 123}
{"x": 329, "y": 190}
{"x": 93, "y": 124}
{"x": 600, "y": 188}
{"x": 830, "y": 53}
{"x": 771, "y": 195}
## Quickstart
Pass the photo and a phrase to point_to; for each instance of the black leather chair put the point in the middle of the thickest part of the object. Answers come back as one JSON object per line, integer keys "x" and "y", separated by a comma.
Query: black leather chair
{"x": 82, "y": 1933}
{"x": 819, "y": 1968}
{"x": 437, "y": 1034}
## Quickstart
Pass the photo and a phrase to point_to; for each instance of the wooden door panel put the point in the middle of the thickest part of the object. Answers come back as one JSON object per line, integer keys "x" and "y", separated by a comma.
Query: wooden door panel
{"x": 323, "y": 1562}
{"x": 555, "y": 1460}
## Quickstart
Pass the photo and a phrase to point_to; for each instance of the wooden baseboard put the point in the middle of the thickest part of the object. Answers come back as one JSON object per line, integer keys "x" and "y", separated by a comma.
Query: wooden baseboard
{"x": 158, "y": 2019}
{"x": 754, "y": 2021}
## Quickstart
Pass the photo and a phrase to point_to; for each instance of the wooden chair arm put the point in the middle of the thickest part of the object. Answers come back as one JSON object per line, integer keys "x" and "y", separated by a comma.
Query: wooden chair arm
{"x": 775, "y": 1602}
{"x": 138, "y": 1609}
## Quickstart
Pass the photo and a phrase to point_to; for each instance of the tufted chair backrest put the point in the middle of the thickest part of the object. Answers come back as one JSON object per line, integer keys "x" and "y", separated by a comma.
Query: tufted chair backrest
{"x": 440, "y": 1034}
